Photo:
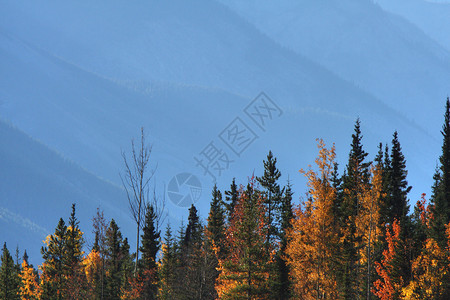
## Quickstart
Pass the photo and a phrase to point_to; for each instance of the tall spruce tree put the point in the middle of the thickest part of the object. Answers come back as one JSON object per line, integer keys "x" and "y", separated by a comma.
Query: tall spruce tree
{"x": 193, "y": 228}
{"x": 273, "y": 195}
{"x": 283, "y": 285}
{"x": 197, "y": 264}
{"x": 214, "y": 247}
{"x": 54, "y": 268}
{"x": 149, "y": 249}
{"x": 167, "y": 273}
{"x": 9, "y": 277}
{"x": 150, "y": 240}
{"x": 231, "y": 198}
{"x": 76, "y": 281}
{"x": 115, "y": 262}
{"x": 216, "y": 220}
{"x": 356, "y": 175}
{"x": 74, "y": 242}
{"x": 440, "y": 200}
{"x": 398, "y": 188}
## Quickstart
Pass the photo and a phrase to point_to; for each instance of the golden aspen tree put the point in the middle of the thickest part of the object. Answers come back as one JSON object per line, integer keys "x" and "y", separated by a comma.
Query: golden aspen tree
{"x": 29, "y": 288}
{"x": 313, "y": 237}
{"x": 92, "y": 265}
{"x": 368, "y": 227}
{"x": 430, "y": 274}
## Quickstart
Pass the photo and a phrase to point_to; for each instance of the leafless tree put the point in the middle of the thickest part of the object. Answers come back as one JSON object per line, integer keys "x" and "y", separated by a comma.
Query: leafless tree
{"x": 135, "y": 180}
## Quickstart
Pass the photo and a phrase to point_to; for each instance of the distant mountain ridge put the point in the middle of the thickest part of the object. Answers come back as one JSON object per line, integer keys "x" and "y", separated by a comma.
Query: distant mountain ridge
{"x": 82, "y": 77}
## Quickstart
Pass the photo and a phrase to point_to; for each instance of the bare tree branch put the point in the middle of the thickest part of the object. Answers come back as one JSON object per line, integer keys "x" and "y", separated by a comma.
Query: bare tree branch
{"x": 135, "y": 181}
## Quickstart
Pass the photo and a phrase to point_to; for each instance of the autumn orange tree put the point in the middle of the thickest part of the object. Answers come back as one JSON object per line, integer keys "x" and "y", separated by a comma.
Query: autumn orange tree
{"x": 389, "y": 285}
{"x": 245, "y": 268}
{"x": 313, "y": 239}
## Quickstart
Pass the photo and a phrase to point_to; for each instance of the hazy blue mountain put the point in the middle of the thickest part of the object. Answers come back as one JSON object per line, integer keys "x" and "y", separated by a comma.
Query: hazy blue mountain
{"x": 380, "y": 52}
{"x": 429, "y": 15}
{"x": 82, "y": 77}
{"x": 38, "y": 186}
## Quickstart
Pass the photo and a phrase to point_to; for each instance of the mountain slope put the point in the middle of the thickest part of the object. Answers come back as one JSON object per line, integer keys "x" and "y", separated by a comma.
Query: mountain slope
{"x": 430, "y": 16}
{"x": 378, "y": 51}
{"x": 37, "y": 187}
{"x": 184, "y": 72}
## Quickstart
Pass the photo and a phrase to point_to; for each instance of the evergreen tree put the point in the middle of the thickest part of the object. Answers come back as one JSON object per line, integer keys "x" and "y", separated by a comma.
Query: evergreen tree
{"x": 440, "y": 200}
{"x": 9, "y": 278}
{"x": 150, "y": 247}
{"x": 76, "y": 280}
{"x": 272, "y": 197}
{"x": 115, "y": 278}
{"x": 355, "y": 177}
{"x": 398, "y": 187}
{"x": 214, "y": 247}
{"x": 216, "y": 220}
{"x": 193, "y": 229}
{"x": 283, "y": 286}
{"x": 197, "y": 263}
{"x": 74, "y": 241}
{"x": 383, "y": 165}
{"x": 168, "y": 266}
{"x": 54, "y": 268}
{"x": 231, "y": 198}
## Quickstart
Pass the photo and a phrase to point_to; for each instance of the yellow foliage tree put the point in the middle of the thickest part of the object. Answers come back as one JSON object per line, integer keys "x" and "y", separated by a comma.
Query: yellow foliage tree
{"x": 368, "y": 227}
{"x": 29, "y": 289}
{"x": 431, "y": 271}
{"x": 313, "y": 237}
{"x": 92, "y": 266}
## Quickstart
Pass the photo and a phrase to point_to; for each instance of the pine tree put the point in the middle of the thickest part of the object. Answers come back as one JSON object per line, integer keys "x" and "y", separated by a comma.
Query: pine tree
{"x": 216, "y": 221}
{"x": 214, "y": 240}
{"x": 398, "y": 186}
{"x": 76, "y": 280}
{"x": 150, "y": 247}
{"x": 283, "y": 287}
{"x": 168, "y": 266}
{"x": 440, "y": 199}
{"x": 54, "y": 269}
{"x": 354, "y": 179}
{"x": 9, "y": 278}
{"x": 193, "y": 229}
{"x": 115, "y": 269}
{"x": 383, "y": 165}
{"x": 231, "y": 198}
{"x": 197, "y": 263}
{"x": 272, "y": 197}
